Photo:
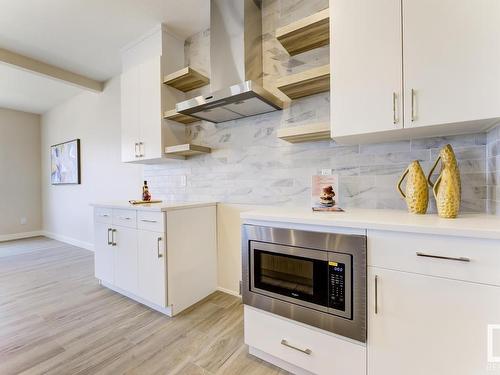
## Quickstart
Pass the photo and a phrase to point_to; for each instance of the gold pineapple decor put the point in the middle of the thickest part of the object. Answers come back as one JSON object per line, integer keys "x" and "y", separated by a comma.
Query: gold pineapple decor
{"x": 447, "y": 189}
{"x": 417, "y": 191}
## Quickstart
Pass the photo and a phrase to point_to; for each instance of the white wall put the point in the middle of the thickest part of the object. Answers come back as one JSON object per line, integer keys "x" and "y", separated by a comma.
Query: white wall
{"x": 20, "y": 174}
{"x": 95, "y": 120}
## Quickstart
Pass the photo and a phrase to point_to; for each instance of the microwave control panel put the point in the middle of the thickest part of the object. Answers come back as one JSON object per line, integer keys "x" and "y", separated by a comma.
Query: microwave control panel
{"x": 337, "y": 285}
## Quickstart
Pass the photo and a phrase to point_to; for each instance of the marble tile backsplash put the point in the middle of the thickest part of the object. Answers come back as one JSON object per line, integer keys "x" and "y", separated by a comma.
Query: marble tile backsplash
{"x": 250, "y": 165}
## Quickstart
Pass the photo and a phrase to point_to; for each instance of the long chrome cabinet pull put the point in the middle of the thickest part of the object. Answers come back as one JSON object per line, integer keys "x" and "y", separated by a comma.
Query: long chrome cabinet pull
{"x": 113, "y": 241}
{"x": 376, "y": 294}
{"x": 110, "y": 242}
{"x": 413, "y": 95}
{"x": 148, "y": 221}
{"x": 395, "y": 118}
{"x": 457, "y": 259}
{"x": 305, "y": 351}
{"x": 136, "y": 153}
{"x": 158, "y": 247}
{"x": 141, "y": 148}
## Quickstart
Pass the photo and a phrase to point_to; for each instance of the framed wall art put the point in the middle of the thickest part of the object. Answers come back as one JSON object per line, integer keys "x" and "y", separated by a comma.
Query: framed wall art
{"x": 65, "y": 163}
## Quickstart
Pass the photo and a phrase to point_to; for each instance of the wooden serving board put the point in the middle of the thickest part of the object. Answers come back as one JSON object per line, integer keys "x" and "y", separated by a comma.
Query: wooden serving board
{"x": 144, "y": 202}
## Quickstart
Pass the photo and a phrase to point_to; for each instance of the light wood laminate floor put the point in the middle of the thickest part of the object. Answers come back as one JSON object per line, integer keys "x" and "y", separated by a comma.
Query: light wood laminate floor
{"x": 56, "y": 319}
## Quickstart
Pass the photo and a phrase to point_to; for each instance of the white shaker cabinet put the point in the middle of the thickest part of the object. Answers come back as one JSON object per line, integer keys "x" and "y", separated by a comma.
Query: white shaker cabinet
{"x": 150, "y": 109}
{"x": 125, "y": 258}
{"x": 144, "y": 97}
{"x": 104, "y": 252}
{"x": 142, "y": 112}
{"x": 366, "y": 62}
{"x": 430, "y": 301}
{"x": 130, "y": 128}
{"x": 151, "y": 267}
{"x": 428, "y": 325}
{"x": 164, "y": 256}
{"x": 413, "y": 68}
{"x": 451, "y": 61}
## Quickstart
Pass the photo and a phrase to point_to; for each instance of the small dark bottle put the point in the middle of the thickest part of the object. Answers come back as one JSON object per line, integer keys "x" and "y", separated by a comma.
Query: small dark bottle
{"x": 146, "y": 196}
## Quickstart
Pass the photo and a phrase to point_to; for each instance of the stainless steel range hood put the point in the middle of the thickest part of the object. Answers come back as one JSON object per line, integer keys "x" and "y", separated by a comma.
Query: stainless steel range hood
{"x": 236, "y": 65}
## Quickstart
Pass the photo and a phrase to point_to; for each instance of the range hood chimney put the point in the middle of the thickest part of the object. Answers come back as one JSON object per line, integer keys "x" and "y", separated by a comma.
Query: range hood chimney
{"x": 236, "y": 65}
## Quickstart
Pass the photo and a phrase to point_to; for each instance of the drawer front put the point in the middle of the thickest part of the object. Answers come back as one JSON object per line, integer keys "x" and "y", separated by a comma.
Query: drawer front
{"x": 467, "y": 259}
{"x": 288, "y": 340}
{"x": 103, "y": 215}
{"x": 152, "y": 221}
{"x": 125, "y": 218}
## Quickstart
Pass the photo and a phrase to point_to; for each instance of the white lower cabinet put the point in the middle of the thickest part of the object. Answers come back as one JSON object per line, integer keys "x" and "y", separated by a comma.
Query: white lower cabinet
{"x": 135, "y": 257}
{"x": 125, "y": 258}
{"x": 420, "y": 324}
{"x": 152, "y": 267}
{"x": 104, "y": 252}
{"x": 299, "y": 348}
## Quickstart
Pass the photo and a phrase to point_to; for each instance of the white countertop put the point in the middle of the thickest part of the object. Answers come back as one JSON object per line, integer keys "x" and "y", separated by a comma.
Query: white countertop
{"x": 466, "y": 225}
{"x": 160, "y": 207}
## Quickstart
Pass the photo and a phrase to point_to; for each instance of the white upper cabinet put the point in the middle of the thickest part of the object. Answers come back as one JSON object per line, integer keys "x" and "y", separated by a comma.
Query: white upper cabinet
{"x": 144, "y": 99}
{"x": 150, "y": 109}
{"x": 413, "y": 68}
{"x": 142, "y": 111}
{"x": 365, "y": 56}
{"x": 451, "y": 60}
{"x": 130, "y": 131}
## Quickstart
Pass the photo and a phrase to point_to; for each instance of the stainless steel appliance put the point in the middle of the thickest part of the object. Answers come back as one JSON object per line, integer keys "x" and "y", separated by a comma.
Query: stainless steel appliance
{"x": 311, "y": 277}
{"x": 236, "y": 81}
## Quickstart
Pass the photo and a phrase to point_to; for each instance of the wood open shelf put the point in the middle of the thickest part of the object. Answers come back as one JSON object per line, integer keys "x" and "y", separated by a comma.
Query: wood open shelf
{"x": 306, "y": 83}
{"x": 186, "y": 79}
{"x": 186, "y": 150}
{"x": 306, "y": 133}
{"x": 179, "y": 117}
{"x": 306, "y": 34}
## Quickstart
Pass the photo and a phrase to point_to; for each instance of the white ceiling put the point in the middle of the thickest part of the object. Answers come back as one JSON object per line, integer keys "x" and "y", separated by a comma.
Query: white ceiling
{"x": 82, "y": 36}
{"x": 28, "y": 92}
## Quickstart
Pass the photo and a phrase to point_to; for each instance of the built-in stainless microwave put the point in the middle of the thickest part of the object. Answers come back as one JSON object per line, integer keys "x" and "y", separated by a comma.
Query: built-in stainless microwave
{"x": 312, "y": 277}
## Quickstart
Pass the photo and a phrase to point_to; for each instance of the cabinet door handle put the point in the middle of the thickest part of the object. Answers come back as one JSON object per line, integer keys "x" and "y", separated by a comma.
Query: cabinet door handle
{"x": 124, "y": 218}
{"x": 136, "y": 153}
{"x": 288, "y": 345}
{"x": 113, "y": 241}
{"x": 141, "y": 149}
{"x": 457, "y": 259}
{"x": 413, "y": 105}
{"x": 148, "y": 221}
{"x": 395, "y": 117}
{"x": 110, "y": 242}
{"x": 103, "y": 215}
{"x": 158, "y": 247}
{"x": 376, "y": 294}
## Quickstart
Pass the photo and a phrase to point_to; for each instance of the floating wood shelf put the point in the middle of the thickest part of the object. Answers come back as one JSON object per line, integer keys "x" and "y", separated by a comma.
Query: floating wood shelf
{"x": 306, "y": 133}
{"x": 179, "y": 117}
{"x": 186, "y": 150}
{"x": 186, "y": 79}
{"x": 306, "y": 34}
{"x": 306, "y": 83}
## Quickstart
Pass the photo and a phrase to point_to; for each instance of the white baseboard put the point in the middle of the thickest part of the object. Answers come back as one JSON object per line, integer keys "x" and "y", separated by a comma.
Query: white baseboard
{"x": 69, "y": 240}
{"x": 18, "y": 236}
{"x": 228, "y": 291}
